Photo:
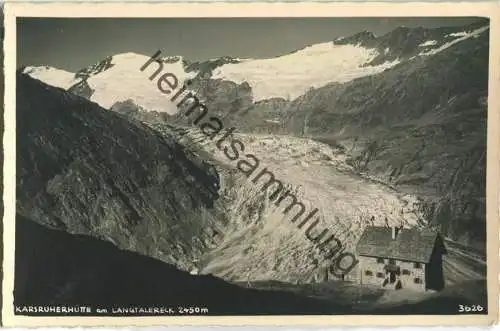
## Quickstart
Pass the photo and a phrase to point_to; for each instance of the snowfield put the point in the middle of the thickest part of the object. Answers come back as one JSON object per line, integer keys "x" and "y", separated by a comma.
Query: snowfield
{"x": 125, "y": 81}
{"x": 52, "y": 76}
{"x": 293, "y": 74}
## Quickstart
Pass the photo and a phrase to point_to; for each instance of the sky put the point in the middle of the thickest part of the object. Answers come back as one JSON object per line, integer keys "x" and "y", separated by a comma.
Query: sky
{"x": 75, "y": 43}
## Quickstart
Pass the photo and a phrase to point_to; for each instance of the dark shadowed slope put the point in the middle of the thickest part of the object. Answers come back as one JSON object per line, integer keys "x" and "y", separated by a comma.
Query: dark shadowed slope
{"x": 90, "y": 171}
{"x": 56, "y": 268}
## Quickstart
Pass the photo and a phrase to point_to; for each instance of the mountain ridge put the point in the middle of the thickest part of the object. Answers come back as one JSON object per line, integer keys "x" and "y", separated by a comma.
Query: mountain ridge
{"x": 367, "y": 57}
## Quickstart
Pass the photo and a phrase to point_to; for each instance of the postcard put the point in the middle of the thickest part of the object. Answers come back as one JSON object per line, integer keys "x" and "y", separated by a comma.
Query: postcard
{"x": 250, "y": 164}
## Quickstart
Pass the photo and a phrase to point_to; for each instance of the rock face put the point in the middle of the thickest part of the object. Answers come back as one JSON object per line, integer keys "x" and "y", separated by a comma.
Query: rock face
{"x": 82, "y": 88}
{"x": 90, "y": 171}
{"x": 95, "y": 69}
{"x": 420, "y": 127}
{"x": 403, "y": 43}
{"x": 205, "y": 68}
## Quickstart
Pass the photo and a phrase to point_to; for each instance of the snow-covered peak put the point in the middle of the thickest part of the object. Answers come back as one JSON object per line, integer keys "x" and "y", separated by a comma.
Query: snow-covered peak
{"x": 293, "y": 74}
{"x": 53, "y": 76}
{"x": 119, "y": 80}
{"x": 124, "y": 81}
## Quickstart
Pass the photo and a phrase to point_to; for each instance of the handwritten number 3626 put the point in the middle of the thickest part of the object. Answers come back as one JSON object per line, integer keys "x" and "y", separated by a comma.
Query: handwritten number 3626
{"x": 466, "y": 309}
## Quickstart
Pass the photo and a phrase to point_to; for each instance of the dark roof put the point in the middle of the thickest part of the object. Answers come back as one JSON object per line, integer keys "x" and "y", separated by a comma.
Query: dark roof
{"x": 410, "y": 244}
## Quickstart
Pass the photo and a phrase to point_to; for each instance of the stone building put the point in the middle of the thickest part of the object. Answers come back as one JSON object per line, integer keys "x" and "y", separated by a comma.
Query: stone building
{"x": 395, "y": 258}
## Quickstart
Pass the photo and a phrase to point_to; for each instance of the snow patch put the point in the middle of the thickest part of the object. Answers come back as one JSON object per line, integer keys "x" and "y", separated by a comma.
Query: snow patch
{"x": 457, "y": 34}
{"x": 428, "y": 43}
{"x": 294, "y": 73}
{"x": 473, "y": 33}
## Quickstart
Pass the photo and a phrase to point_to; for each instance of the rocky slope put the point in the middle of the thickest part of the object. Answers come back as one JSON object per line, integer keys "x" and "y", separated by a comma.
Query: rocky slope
{"x": 420, "y": 127}
{"x": 90, "y": 171}
{"x": 405, "y": 43}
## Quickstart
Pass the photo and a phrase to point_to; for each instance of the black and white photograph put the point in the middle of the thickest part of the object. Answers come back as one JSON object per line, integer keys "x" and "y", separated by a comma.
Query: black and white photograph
{"x": 251, "y": 166}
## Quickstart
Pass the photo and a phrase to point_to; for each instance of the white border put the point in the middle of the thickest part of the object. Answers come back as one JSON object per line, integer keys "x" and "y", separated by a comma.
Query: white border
{"x": 484, "y": 9}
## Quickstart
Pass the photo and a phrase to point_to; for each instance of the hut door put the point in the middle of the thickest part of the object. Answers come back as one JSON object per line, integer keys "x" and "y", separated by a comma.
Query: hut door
{"x": 392, "y": 277}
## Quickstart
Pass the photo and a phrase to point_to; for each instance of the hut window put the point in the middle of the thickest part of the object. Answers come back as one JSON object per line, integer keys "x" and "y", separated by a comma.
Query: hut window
{"x": 391, "y": 261}
{"x": 417, "y": 265}
{"x": 406, "y": 272}
{"x": 368, "y": 273}
{"x": 380, "y": 275}
{"x": 380, "y": 260}
{"x": 417, "y": 280}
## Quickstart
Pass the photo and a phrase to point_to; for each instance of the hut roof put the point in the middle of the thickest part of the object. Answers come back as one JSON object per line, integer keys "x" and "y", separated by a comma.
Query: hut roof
{"x": 410, "y": 244}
